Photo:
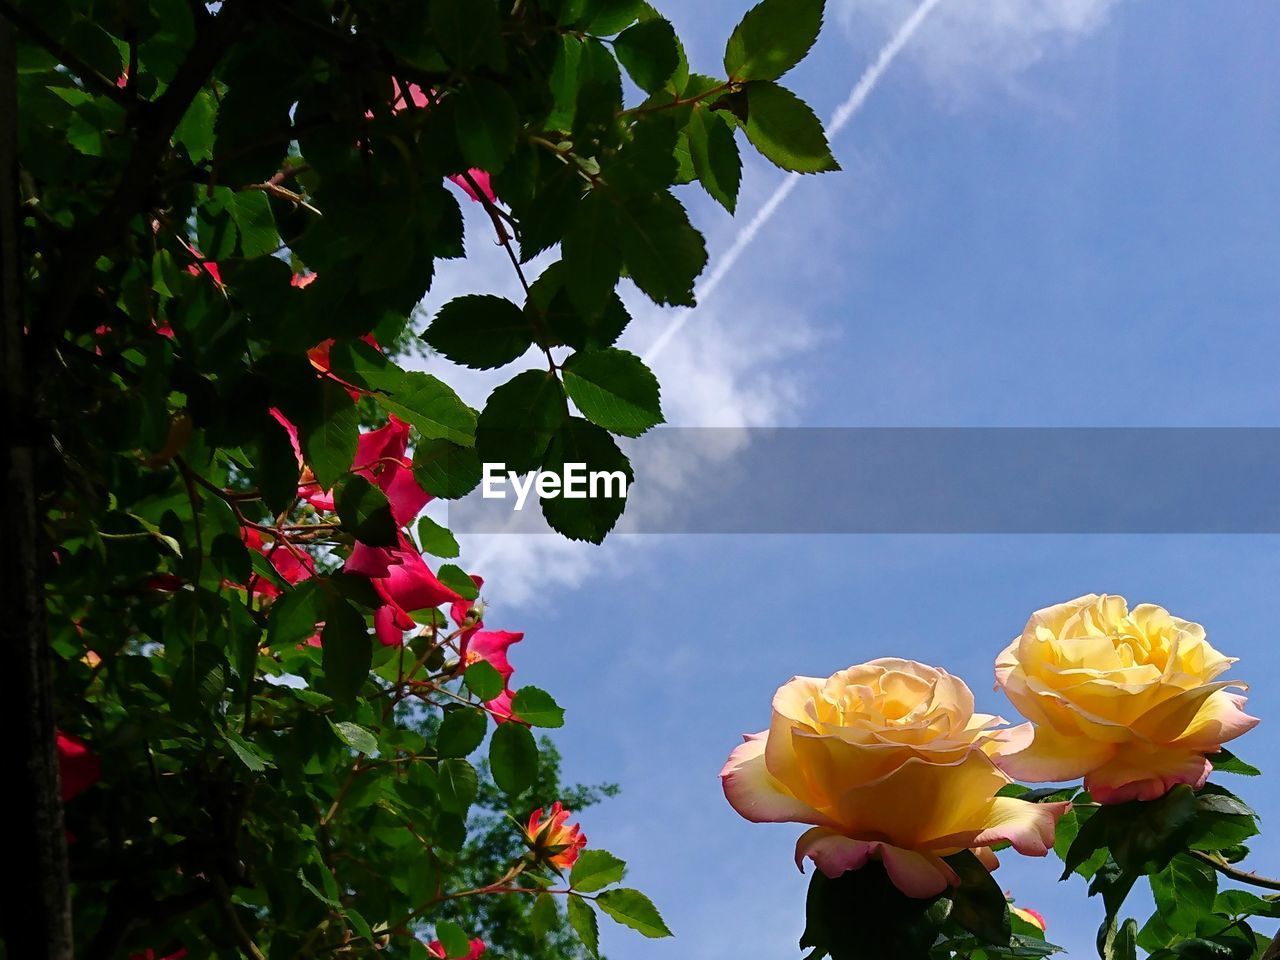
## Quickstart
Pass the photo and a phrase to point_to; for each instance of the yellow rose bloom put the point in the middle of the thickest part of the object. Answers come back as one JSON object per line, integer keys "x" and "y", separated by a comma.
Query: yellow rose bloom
{"x": 888, "y": 762}
{"x": 1125, "y": 698}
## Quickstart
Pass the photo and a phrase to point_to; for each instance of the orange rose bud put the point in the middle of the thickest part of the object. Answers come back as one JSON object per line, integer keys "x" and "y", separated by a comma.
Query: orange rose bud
{"x": 552, "y": 840}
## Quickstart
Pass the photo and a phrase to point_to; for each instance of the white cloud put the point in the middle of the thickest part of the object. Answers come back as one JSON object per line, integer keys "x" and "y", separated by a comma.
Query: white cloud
{"x": 969, "y": 46}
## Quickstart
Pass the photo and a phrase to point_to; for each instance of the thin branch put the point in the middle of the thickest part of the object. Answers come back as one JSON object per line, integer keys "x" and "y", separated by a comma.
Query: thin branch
{"x": 1235, "y": 873}
{"x": 87, "y": 74}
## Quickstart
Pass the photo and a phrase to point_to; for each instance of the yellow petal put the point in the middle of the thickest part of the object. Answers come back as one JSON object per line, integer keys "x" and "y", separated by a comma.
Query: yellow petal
{"x": 1054, "y": 758}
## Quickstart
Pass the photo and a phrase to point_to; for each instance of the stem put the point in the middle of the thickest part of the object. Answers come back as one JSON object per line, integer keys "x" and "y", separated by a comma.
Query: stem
{"x": 228, "y": 912}
{"x": 1235, "y": 873}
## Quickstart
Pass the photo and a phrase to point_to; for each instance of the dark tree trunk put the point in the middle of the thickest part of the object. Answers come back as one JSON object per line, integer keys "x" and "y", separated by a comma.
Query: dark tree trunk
{"x": 36, "y": 908}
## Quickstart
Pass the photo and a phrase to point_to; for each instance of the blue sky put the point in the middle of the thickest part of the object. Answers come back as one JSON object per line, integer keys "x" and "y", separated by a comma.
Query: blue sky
{"x": 1053, "y": 212}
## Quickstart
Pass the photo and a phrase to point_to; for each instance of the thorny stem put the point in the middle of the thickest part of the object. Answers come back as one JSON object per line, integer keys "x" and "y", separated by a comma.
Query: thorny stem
{"x": 1235, "y": 873}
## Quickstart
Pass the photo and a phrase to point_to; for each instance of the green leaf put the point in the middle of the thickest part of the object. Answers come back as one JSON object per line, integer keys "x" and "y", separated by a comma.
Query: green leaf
{"x": 649, "y": 52}
{"x": 1224, "y": 761}
{"x": 433, "y": 409}
{"x": 461, "y": 731}
{"x": 453, "y": 938}
{"x": 486, "y": 122}
{"x": 543, "y": 917}
{"x": 245, "y": 752}
{"x": 590, "y": 518}
{"x": 445, "y": 469}
{"x": 513, "y": 758}
{"x": 480, "y": 331}
{"x": 663, "y": 252}
{"x": 436, "y": 540}
{"x": 1123, "y": 945}
{"x": 519, "y": 420}
{"x": 346, "y": 650}
{"x": 355, "y": 736}
{"x": 457, "y": 580}
{"x": 772, "y": 38}
{"x": 456, "y": 784}
{"x": 565, "y": 322}
{"x": 713, "y": 152}
{"x": 884, "y": 921}
{"x": 329, "y": 435}
{"x": 468, "y": 32}
{"x": 251, "y": 212}
{"x": 365, "y": 512}
{"x": 1147, "y": 834}
{"x": 1243, "y": 903}
{"x": 294, "y": 615}
{"x": 610, "y": 16}
{"x": 978, "y": 904}
{"x": 615, "y": 390}
{"x": 483, "y": 679}
{"x": 633, "y": 909}
{"x": 583, "y": 920}
{"x": 594, "y": 870}
{"x": 591, "y": 255}
{"x": 536, "y": 707}
{"x": 1184, "y": 890}
{"x": 783, "y": 128}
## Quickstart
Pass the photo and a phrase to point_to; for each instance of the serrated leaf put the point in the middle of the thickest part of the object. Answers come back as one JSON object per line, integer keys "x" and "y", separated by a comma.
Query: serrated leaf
{"x": 633, "y": 909}
{"x": 486, "y": 123}
{"x": 513, "y": 758}
{"x": 663, "y": 252}
{"x": 433, "y": 408}
{"x": 1224, "y": 761}
{"x": 437, "y": 540}
{"x": 543, "y": 917}
{"x": 713, "y": 152}
{"x": 592, "y": 259}
{"x": 251, "y": 212}
{"x": 456, "y": 783}
{"x": 649, "y": 52}
{"x": 294, "y": 615}
{"x": 457, "y": 580}
{"x": 615, "y": 390}
{"x": 445, "y": 469}
{"x": 453, "y": 938}
{"x": 330, "y": 434}
{"x": 583, "y": 920}
{"x": 772, "y": 38}
{"x": 480, "y": 331}
{"x": 594, "y": 870}
{"x": 1184, "y": 891}
{"x": 365, "y": 512}
{"x": 483, "y": 679}
{"x": 461, "y": 731}
{"x": 783, "y": 128}
{"x": 537, "y": 707}
{"x": 591, "y": 517}
{"x": 519, "y": 419}
{"x": 346, "y": 650}
{"x": 355, "y": 736}
{"x": 245, "y": 752}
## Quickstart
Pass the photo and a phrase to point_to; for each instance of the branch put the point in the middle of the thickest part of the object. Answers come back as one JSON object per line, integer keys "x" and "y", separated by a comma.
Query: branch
{"x": 87, "y": 74}
{"x": 1227, "y": 870}
{"x": 158, "y": 119}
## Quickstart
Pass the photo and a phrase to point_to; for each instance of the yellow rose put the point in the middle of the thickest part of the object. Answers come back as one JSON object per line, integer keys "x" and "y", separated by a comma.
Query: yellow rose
{"x": 1126, "y": 699}
{"x": 889, "y": 762}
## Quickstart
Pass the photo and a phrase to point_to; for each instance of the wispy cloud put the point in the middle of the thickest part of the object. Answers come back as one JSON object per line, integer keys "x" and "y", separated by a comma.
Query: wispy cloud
{"x": 970, "y": 46}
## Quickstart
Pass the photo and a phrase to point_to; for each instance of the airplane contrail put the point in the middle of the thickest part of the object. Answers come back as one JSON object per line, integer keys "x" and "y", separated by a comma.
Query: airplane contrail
{"x": 843, "y": 114}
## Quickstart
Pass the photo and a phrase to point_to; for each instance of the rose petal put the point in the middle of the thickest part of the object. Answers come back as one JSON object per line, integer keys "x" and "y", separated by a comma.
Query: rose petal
{"x": 756, "y": 795}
